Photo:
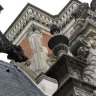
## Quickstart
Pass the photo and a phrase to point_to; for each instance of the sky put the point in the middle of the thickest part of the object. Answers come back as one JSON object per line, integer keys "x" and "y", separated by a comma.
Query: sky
{"x": 13, "y": 7}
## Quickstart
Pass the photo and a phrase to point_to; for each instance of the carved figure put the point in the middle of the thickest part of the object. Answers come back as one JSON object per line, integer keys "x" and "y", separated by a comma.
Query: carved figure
{"x": 93, "y": 5}
{"x": 90, "y": 70}
{"x": 82, "y": 53}
{"x": 92, "y": 52}
{"x": 81, "y": 11}
{"x": 14, "y": 52}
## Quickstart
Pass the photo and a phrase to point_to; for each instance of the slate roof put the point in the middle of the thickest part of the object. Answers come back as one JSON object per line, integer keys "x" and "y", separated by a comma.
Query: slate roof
{"x": 14, "y": 83}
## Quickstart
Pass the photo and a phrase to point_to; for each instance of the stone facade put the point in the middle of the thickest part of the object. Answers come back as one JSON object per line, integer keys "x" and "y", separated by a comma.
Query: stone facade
{"x": 31, "y": 30}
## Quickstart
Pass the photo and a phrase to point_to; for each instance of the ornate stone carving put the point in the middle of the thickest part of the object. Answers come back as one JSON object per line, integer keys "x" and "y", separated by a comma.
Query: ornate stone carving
{"x": 60, "y": 49}
{"x": 38, "y": 63}
{"x": 74, "y": 72}
{"x": 80, "y": 92}
{"x": 33, "y": 14}
{"x": 51, "y": 59}
{"x": 90, "y": 70}
{"x": 58, "y": 43}
{"x": 81, "y": 11}
{"x": 82, "y": 53}
{"x": 80, "y": 48}
{"x": 54, "y": 30}
{"x": 93, "y": 5}
{"x": 35, "y": 30}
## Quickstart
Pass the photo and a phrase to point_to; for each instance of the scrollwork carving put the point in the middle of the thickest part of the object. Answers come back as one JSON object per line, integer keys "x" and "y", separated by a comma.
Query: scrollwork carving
{"x": 90, "y": 70}
{"x": 32, "y": 14}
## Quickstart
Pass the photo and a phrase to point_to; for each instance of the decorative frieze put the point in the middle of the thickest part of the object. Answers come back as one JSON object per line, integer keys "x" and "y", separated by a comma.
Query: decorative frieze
{"x": 33, "y": 14}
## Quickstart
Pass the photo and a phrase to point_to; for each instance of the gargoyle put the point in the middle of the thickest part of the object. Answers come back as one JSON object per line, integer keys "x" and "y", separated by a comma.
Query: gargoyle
{"x": 81, "y": 11}
{"x": 14, "y": 52}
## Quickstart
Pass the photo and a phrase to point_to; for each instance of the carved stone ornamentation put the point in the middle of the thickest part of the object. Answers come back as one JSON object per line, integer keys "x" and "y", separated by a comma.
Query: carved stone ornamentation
{"x": 54, "y": 30}
{"x": 60, "y": 49}
{"x": 58, "y": 43}
{"x": 80, "y": 48}
{"x": 14, "y": 52}
{"x": 34, "y": 15}
{"x": 81, "y": 11}
{"x": 93, "y": 5}
{"x": 51, "y": 59}
{"x": 80, "y": 92}
{"x": 90, "y": 70}
{"x": 82, "y": 53}
{"x": 38, "y": 63}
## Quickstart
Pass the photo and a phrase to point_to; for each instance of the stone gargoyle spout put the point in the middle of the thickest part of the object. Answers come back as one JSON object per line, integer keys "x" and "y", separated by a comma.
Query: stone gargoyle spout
{"x": 14, "y": 52}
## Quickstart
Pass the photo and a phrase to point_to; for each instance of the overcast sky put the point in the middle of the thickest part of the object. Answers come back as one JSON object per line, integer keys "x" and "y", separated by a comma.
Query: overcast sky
{"x": 13, "y": 7}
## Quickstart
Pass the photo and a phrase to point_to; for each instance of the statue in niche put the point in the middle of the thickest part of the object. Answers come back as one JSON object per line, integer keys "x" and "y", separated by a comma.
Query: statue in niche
{"x": 14, "y": 52}
{"x": 90, "y": 70}
{"x": 38, "y": 61}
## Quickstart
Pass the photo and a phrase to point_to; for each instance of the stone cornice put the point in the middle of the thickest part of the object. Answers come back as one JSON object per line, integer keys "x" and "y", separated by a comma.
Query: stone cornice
{"x": 32, "y": 13}
{"x": 40, "y": 10}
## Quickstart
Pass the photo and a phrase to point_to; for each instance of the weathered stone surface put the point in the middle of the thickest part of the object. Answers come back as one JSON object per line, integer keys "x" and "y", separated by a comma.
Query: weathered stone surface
{"x": 81, "y": 11}
{"x": 74, "y": 87}
{"x": 93, "y": 5}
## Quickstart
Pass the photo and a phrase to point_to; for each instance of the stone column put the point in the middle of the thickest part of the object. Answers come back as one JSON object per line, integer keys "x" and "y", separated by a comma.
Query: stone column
{"x": 38, "y": 63}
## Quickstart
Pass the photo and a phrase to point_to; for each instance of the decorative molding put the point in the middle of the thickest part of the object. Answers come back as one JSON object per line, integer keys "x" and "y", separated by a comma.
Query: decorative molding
{"x": 33, "y": 14}
{"x": 16, "y": 39}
